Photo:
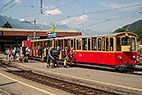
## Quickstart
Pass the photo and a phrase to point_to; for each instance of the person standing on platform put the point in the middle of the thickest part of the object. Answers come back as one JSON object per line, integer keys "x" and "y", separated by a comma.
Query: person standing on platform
{"x": 71, "y": 55}
{"x": 65, "y": 55}
{"x": 56, "y": 55}
{"x": 19, "y": 51}
{"x": 9, "y": 55}
{"x": 51, "y": 56}
{"x": 27, "y": 54}
{"x": 47, "y": 57}
{"x": 6, "y": 53}
{"x": 14, "y": 51}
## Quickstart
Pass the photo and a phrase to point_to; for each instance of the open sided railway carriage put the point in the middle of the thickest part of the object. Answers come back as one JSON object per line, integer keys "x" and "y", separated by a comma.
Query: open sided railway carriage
{"x": 116, "y": 50}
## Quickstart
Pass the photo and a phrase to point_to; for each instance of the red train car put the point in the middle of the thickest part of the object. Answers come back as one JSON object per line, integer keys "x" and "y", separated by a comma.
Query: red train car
{"x": 26, "y": 43}
{"x": 116, "y": 50}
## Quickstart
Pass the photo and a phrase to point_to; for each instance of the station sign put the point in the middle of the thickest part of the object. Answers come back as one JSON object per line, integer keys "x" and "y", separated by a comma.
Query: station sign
{"x": 52, "y": 32}
{"x": 52, "y": 35}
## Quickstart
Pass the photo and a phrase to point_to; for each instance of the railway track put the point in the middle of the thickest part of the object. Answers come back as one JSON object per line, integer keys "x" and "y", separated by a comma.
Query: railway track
{"x": 70, "y": 87}
{"x": 65, "y": 85}
{"x": 61, "y": 84}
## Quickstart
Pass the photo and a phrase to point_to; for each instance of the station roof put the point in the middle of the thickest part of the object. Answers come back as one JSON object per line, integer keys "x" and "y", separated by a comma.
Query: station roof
{"x": 73, "y": 37}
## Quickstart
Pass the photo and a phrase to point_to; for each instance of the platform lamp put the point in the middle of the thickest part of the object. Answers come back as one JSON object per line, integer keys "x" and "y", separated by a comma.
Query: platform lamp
{"x": 34, "y": 29}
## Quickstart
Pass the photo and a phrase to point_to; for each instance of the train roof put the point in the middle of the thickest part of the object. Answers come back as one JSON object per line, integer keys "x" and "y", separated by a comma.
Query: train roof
{"x": 72, "y": 37}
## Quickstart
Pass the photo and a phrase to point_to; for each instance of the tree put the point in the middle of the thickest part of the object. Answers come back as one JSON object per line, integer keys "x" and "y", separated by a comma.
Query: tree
{"x": 139, "y": 33}
{"x": 6, "y": 25}
{"x": 120, "y": 30}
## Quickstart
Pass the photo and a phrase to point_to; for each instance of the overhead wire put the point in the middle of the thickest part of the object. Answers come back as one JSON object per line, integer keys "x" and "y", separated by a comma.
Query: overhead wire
{"x": 9, "y": 3}
{"x": 104, "y": 21}
{"x": 9, "y": 7}
{"x": 6, "y": 5}
{"x": 55, "y": 2}
{"x": 110, "y": 19}
{"x": 101, "y": 11}
{"x": 114, "y": 9}
{"x": 68, "y": 3}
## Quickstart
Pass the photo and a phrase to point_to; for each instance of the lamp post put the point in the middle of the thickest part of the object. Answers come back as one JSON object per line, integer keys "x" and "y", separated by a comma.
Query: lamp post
{"x": 34, "y": 29}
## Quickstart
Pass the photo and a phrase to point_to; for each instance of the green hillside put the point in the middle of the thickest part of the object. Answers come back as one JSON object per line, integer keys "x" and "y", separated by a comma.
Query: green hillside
{"x": 135, "y": 27}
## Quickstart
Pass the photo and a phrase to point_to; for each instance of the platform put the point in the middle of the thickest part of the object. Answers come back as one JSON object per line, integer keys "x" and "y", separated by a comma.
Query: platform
{"x": 102, "y": 79}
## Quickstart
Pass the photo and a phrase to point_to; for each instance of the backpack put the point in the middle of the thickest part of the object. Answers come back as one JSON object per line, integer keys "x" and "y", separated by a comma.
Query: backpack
{"x": 68, "y": 52}
{"x": 5, "y": 52}
{"x": 9, "y": 52}
{"x": 24, "y": 50}
{"x": 64, "y": 53}
{"x": 47, "y": 55}
{"x": 39, "y": 51}
{"x": 13, "y": 52}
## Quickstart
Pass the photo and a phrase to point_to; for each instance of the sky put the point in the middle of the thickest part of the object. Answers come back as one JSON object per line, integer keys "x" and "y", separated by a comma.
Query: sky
{"x": 101, "y": 16}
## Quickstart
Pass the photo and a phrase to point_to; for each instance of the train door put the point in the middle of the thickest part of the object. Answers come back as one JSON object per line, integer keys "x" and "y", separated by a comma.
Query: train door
{"x": 94, "y": 49}
{"x": 78, "y": 54}
{"x": 84, "y": 49}
{"x": 103, "y": 50}
{"x": 127, "y": 55}
{"x": 111, "y": 53}
{"x": 59, "y": 43}
{"x": 89, "y": 55}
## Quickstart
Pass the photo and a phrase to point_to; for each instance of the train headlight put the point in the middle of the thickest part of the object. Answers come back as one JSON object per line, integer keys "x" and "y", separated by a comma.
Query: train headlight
{"x": 120, "y": 57}
{"x": 134, "y": 57}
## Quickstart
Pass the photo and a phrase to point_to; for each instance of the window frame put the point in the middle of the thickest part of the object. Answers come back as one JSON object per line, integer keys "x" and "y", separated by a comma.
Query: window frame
{"x": 100, "y": 44}
{"x": 94, "y": 39}
{"x": 134, "y": 43}
{"x": 84, "y": 45}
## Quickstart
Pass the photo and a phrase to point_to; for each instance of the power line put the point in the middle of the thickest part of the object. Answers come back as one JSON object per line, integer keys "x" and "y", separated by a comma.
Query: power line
{"x": 6, "y": 5}
{"x": 110, "y": 19}
{"x": 11, "y": 1}
{"x": 55, "y": 2}
{"x": 68, "y": 3}
{"x": 10, "y": 7}
{"x": 101, "y": 11}
{"x": 114, "y": 9}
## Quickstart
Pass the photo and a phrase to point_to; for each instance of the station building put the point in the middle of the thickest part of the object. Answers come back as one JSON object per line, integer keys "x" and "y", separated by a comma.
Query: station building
{"x": 14, "y": 37}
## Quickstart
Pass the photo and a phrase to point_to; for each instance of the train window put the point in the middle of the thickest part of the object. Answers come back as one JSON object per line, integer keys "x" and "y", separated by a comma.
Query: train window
{"x": 107, "y": 44}
{"x": 78, "y": 44}
{"x": 94, "y": 43}
{"x": 59, "y": 44}
{"x": 40, "y": 44}
{"x": 50, "y": 43}
{"x": 66, "y": 43}
{"x": 84, "y": 43}
{"x": 89, "y": 48}
{"x": 54, "y": 41}
{"x": 74, "y": 44}
{"x": 71, "y": 43}
{"x": 62, "y": 46}
{"x": 45, "y": 44}
{"x": 111, "y": 44}
{"x": 125, "y": 41}
{"x": 103, "y": 44}
{"x": 99, "y": 44}
{"x": 133, "y": 44}
{"x": 118, "y": 44}
{"x": 33, "y": 45}
{"x": 36, "y": 45}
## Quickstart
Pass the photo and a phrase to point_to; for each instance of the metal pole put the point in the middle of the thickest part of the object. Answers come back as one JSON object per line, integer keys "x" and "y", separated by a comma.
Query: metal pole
{"x": 41, "y": 6}
{"x": 82, "y": 27}
{"x": 34, "y": 29}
